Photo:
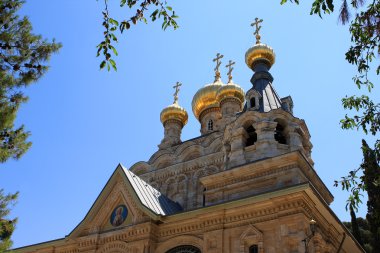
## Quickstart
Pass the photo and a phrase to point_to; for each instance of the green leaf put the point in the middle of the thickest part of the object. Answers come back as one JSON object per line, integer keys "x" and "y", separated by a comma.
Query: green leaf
{"x": 113, "y": 21}
{"x": 102, "y": 64}
{"x": 113, "y": 64}
{"x": 114, "y": 50}
{"x": 330, "y": 5}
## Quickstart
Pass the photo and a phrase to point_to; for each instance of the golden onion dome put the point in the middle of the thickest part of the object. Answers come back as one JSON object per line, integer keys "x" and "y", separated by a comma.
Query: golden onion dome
{"x": 205, "y": 98}
{"x": 260, "y": 52}
{"x": 174, "y": 112}
{"x": 230, "y": 90}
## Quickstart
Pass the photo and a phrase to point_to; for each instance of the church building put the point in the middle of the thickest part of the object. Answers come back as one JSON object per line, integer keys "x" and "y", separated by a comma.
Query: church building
{"x": 245, "y": 185}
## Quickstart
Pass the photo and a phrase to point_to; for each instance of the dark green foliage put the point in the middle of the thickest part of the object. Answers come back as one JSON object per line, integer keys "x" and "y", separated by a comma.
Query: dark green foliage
{"x": 355, "y": 226}
{"x": 6, "y": 225}
{"x": 158, "y": 9}
{"x": 368, "y": 182}
{"x": 365, "y": 233}
{"x": 371, "y": 180}
{"x": 365, "y": 39}
{"x": 22, "y": 62}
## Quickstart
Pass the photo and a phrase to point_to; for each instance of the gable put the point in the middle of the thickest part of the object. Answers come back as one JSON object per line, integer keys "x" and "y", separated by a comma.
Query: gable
{"x": 125, "y": 200}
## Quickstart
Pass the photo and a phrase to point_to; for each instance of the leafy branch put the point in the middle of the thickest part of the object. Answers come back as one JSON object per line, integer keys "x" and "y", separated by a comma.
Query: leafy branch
{"x": 160, "y": 10}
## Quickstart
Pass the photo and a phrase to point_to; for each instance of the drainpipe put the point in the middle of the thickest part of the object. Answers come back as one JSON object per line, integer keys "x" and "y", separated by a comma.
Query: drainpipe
{"x": 341, "y": 243}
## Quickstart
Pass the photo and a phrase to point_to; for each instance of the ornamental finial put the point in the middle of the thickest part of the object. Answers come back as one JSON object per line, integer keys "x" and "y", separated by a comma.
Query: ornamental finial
{"x": 230, "y": 68}
{"x": 257, "y": 31}
{"x": 176, "y": 87}
{"x": 216, "y": 69}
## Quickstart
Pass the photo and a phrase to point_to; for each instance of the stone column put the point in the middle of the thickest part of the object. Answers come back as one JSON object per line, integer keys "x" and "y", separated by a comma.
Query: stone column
{"x": 237, "y": 147}
{"x": 266, "y": 145}
{"x": 295, "y": 140}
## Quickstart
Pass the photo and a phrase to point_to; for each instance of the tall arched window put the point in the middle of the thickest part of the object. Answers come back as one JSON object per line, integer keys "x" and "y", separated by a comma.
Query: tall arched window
{"x": 252, "y": 136}
{"x": 279, "y": 134}
{"x": 210, "y": 125}
{"x": 254, "y": 249}
{"x": 253, "y": 102}
{"x": 184, "y": 249}
{"x": 204, "y": 197}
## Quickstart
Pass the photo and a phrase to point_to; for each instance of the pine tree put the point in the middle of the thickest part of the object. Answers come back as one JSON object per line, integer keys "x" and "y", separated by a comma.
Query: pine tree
{"x": 23, "y": 57}
{"x": 6, "y": 225}
{"x": 22, "y": 62}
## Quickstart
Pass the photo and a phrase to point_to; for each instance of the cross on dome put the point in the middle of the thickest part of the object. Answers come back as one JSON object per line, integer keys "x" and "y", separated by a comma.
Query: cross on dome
{"x": 230, "y": 68}
{"x": 257, "y": 31}
{"x": 177, "y": 88}
{"x": 218, "y": 62}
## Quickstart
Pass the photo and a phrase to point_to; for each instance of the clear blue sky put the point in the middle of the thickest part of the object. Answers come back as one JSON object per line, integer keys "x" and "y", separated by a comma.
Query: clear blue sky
{"x": 85, "y": 121}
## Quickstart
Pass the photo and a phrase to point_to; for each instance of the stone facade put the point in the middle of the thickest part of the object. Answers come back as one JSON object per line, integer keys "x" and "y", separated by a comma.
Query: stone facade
{"x": 246, "y": 185}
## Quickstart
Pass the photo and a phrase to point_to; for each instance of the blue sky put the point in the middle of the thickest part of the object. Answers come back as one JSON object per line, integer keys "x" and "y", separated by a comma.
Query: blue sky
{"x": 85, "y": 121}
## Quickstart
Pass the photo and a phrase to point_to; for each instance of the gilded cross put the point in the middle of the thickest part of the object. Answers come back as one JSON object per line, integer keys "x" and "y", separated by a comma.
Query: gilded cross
{"x": 218, "y": 62}
{"x": 176, "y": 87}
{"x": 257, "y": 31}
{"x": 230, "y": 68}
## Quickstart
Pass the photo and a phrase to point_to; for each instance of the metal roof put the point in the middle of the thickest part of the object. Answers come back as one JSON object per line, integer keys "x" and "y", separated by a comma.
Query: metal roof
{"x": 270, "y": 99}
{"x": 151, "y": 197}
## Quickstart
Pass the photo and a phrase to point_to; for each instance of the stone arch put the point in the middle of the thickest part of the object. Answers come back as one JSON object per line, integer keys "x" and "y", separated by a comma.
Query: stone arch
{"x": 281, "y": 134}
{"x": 251, "y": 236}
{"x": 215, "y": 146}
{"x": 253, "y": 99}
{"x": 140, "y": 168}
{"x": 178, "y": 241}
{"x": 184, "y": 146}
{"x": 251, "y": 135}
{"x": 191, "y": 152}
{"x": 246, "y": 118}
{"x": 157, "y": 155}
{"x": 184, "y": 249}
{"x": 247, "y": 122}
{"x": 163, "y": 161}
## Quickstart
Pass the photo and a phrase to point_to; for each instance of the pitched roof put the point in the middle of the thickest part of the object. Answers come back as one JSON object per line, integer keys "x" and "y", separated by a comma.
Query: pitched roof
{"x": 150, "y": 197}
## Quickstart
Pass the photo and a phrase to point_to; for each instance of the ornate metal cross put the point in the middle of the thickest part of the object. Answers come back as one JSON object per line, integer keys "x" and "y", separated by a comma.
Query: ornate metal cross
{"x": 176, "y": 87}
{"x": 218, "y": 62}
{"x": 258, "y": 27}
{"x": 230, "y": 68}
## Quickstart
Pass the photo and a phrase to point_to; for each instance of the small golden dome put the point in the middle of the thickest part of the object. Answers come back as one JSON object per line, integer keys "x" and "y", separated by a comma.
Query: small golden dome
{"x": 206, "y": 98}
{"x": 260, "y": 52}
{"x": 230, "y": 90}
{"x": 174, "y": 112}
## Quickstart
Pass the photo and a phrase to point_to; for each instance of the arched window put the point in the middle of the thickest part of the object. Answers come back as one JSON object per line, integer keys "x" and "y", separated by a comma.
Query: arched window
{"x": 253, "y": 102}
{"x": 279, "y": 134}
{"x": 204, "y": 197}
{"x": 252, "y": 136}
{"x": 210, "y": 125}
{"x": 184, "y": 249}
{"x": 254, "y": 249}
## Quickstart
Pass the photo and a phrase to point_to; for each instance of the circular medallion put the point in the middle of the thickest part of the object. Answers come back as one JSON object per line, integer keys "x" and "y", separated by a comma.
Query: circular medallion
{"x": 118, "y": 215}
